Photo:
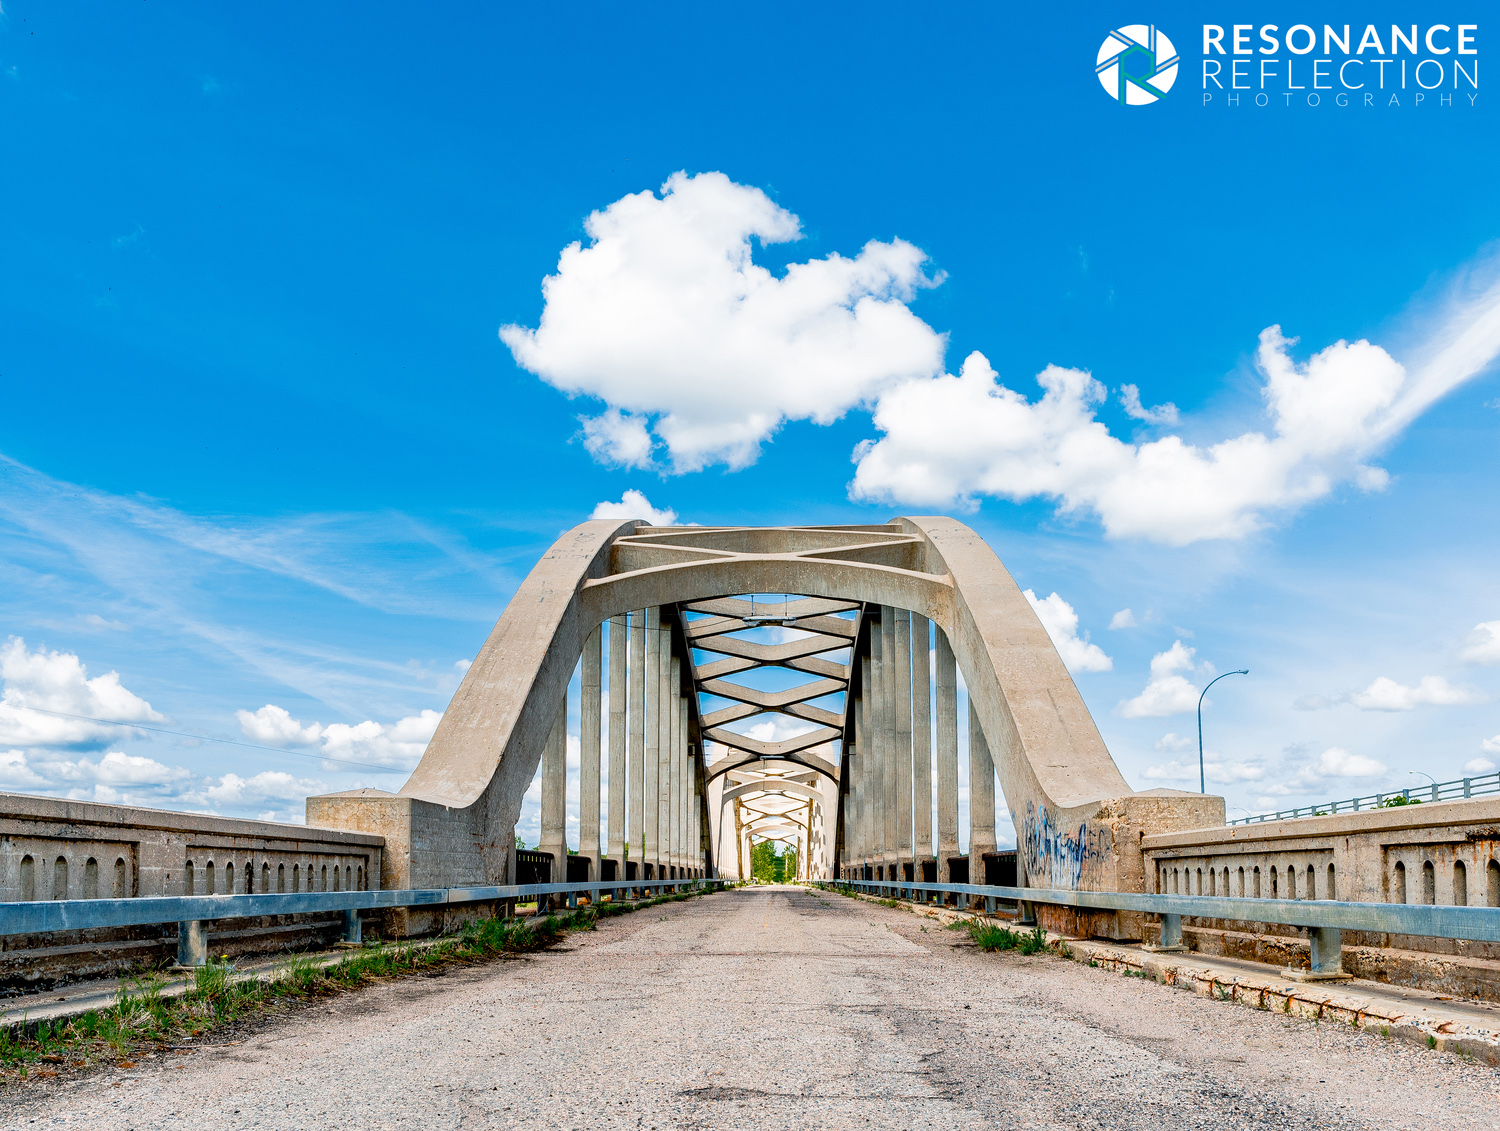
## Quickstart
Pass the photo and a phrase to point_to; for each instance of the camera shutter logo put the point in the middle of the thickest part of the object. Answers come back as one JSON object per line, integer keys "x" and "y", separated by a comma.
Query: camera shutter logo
{"x": 1137, "y": 64}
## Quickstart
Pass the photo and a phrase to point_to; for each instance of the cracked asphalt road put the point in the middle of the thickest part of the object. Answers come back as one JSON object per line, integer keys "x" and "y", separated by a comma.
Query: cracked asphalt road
{"x": 778, "y": 1008}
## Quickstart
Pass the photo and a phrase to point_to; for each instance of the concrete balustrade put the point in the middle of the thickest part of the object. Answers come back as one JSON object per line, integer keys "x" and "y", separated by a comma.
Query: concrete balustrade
{"x": 52, "y": 849}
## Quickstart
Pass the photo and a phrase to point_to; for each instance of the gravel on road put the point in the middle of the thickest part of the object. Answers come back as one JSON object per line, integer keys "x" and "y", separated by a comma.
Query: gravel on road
{"x": 768, "y": 1008}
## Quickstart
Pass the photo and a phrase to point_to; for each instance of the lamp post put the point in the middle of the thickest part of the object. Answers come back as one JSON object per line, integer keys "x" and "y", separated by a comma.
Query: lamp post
{"x": 1202, "y": 785}
{"x": 1429, "y": 777}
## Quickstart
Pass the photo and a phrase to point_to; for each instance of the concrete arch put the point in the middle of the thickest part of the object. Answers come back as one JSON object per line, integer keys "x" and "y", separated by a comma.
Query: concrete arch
{"x": 771, "y": 785}
{"x": 1077, "y": 820}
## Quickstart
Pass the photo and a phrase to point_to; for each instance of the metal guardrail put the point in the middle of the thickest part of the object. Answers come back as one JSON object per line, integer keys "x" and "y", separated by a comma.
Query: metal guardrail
{"x": 1428, "y": 920}
{"x": 1454, "y": 790}
{"x": 191, "y": 912}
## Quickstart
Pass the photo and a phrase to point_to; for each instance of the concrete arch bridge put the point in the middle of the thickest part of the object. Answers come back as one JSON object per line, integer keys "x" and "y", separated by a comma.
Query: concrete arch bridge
{"x": 824, "y": 715}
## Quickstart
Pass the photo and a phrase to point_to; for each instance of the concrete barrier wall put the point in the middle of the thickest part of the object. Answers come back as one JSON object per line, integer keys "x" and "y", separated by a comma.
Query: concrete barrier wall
{"x": 56, "y": 849}
{"x": 1435, "y": 853}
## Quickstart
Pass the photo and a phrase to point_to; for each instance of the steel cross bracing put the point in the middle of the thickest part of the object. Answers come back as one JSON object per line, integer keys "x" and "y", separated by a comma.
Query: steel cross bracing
{"x": 819, "y": 633}
{"x": 768, "y": 781}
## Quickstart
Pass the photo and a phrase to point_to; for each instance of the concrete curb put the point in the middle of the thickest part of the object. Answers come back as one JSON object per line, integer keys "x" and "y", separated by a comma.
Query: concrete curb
{"x": 1269, "y": 992}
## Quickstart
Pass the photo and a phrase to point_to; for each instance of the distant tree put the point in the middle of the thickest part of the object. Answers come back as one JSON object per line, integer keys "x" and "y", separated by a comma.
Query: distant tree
{"x": 770, "y": 863}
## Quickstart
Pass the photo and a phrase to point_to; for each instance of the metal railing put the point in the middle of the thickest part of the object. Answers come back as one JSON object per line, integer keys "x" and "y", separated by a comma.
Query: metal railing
{"x": 192, "y": 912}
{"x": 1324, "y": 918}
{"x": 1453, "y": 790}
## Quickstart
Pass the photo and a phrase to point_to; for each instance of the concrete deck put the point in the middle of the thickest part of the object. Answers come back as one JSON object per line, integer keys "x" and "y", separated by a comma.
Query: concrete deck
{"x": 778, "y": 1008}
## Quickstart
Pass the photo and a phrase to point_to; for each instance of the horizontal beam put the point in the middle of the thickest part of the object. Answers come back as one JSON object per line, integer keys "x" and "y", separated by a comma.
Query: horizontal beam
{"x": 786, "y": 746}
{"x": 1424, "y": 920}
{"x": 82, "y": 914}
{"x": 771, "y": 700}
{"x": 803, "y": 607}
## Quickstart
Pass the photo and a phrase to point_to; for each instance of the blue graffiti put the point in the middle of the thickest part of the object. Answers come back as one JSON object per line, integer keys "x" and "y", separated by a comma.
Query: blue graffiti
{"x": 1055, "y": 856}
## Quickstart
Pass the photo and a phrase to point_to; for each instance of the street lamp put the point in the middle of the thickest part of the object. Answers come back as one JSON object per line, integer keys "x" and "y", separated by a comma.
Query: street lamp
{"x": 1202, "y": 785}
{"x": 1429, "y": 777}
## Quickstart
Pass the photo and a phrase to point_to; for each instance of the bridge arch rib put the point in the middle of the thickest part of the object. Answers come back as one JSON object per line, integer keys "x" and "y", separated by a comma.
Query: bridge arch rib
{"x": 863, "y": 591}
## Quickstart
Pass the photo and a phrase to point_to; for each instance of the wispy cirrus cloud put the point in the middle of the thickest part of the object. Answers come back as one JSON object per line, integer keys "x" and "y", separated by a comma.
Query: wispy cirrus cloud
{"x": 189, "y": 578}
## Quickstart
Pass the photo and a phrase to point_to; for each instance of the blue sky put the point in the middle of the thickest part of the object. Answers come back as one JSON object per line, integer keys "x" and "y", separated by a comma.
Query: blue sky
{"x": 263, "y": 443}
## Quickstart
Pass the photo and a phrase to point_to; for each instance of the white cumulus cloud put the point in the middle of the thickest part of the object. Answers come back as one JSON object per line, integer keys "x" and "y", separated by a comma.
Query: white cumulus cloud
{"x": 1061, "y": 623}
{"x": 398, "y": 745}
{"x": 41, "y": 681}
{"x": 1385, "y": 694}
{"x": 275, "y": 725}
{"x": 1483, "y": 645}
{"x": 1492, "y": 744}
{"x": 1167, "y": 692}
{"x": 1479, "y": 765}
{"x": 1335, "y": 762}
{"x": 1123, "y": 619}
{"x": 956, "y": 439}
{"x": 666, "y": 318}
{"x": 1215, "y": 769}
{"x": 233, "y": 791}
{"x": 1130, "y": 400}
{"x": 1170, "y": 741}
{"x": 634, "y": 504}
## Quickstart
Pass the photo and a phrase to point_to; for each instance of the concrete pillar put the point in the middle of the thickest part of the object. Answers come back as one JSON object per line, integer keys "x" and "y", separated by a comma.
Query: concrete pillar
{"x": 739, "y": 841}
{"x": 664, "y": 714}
{"x": 554, "y": 794}
{"x": 886, "y": 679}
{"x": 651, "y": 850}
{"x": 674, "y": 762}
{"x": 981, "y": 799}
{"x": 869, "y": 748}
{"x": 853, "y": 800}
{"x": 901, "y": 693}
{"x": 947, "y": 756}
{"x": 635, "y": 833}
{"x": 921, "y": 741}
{"x": 590, "y": 737}
{"x": 687, "y": 847}
{"x": 619, "y": 645}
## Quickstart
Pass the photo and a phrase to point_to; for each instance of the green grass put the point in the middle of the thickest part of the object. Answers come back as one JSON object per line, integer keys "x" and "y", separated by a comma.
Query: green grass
{"x": 143, "y": 1018}
{"x": 992, "y": 938}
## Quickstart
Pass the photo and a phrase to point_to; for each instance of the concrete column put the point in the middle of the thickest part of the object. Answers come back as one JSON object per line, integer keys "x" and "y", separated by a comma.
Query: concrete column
{"x": 687, "y": 847}
{"x": 664, "y": 715}
{"x": 947, "y": 756}
{"x": 870, "y": 750}
{"x": 635, "y": 833}
{"x": 692, "y": 848}
{"x": 554, "y": 794}
{"x": 921, "y": 741}
{"x": 853, "y": 815}
{"x": 739, "y": 841}
{"x": 886, "y": 678}
{"x": 619, "y": 650}
{"x": 981, "y": 799}
{"x": 590, "y": 737}
{"x": 674, "y": 761}
{"x": 901, "y": 687}
{"x": 651, "y": 847}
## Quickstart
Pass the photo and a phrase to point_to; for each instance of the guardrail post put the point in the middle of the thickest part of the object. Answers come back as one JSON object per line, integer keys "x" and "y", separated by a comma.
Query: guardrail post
{"x": 192, "y": 943}
{"x": 1171, "y": 936}
{"x": 1326, "y": 957}
{"x": 989, "y": 905}
{"x": 353, "y": 928}
{"x": 572, "y": 901}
